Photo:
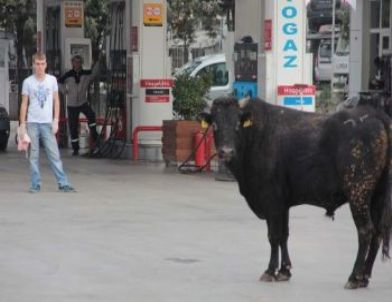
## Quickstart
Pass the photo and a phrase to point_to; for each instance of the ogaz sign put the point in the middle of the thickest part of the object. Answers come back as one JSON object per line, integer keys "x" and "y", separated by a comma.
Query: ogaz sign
{"x": 290, "y": 31}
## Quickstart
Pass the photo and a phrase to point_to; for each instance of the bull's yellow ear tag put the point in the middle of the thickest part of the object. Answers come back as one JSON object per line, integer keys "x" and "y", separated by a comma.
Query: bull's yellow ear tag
{"x": 203, "y": 124}
{"x": 247, "y": 124}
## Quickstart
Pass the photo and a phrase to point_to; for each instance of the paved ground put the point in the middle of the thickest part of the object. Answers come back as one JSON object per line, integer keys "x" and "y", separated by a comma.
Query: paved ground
{"x": 139, "y": 232}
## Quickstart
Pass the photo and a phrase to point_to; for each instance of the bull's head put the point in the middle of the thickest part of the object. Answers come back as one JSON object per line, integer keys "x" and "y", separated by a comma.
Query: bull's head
{"x": 227, "y": 120}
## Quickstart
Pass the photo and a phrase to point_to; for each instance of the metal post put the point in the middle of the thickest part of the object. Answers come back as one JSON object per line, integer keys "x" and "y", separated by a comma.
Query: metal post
{"x": 333, "y": 46}
{"x": 40, "y": 25}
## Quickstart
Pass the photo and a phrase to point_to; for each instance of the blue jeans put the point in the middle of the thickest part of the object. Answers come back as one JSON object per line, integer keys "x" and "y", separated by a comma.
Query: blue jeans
{"x": 43, "y": 132}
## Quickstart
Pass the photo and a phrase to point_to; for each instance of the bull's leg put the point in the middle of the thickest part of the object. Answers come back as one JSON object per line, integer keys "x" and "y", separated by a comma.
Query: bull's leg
{"x": 365, "y": 229}
{"x": 284, "y": 273}
{"x": 274, "y": 235}
{"x": 376, "y": 212}
{"x": 371, "y": 257}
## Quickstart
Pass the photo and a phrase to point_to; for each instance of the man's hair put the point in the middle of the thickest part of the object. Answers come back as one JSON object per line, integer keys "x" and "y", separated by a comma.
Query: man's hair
{"x": 40, "y": 56}
{"x": 77, "y": 57}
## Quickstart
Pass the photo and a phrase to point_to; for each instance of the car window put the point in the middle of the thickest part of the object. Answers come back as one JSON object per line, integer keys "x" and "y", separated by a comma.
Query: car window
{"x": 323, "y": 4}
{"x": 219, "y": 74}
{"x": 188, "y": 68}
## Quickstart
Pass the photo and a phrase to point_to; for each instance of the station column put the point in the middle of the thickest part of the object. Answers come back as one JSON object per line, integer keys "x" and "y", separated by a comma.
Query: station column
{"x": 151, "y": 69}
{"x": 279, "y": 29}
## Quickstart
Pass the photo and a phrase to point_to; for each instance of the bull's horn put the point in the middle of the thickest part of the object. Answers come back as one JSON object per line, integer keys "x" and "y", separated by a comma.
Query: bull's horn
{"x": 243, "y": 102}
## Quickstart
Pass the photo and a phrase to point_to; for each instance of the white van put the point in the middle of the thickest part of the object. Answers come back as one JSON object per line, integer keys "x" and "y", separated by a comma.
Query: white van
{"x": 323, "y": 63}
{"x": 222, "y": 79}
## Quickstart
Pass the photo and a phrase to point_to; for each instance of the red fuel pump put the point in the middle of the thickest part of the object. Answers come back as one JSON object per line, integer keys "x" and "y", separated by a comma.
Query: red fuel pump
{"x": 202, "y": 143}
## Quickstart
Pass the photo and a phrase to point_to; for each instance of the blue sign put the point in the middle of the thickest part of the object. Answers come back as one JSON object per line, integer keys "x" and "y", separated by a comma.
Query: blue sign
{"x": 245, "y": 89}
{"x": 297, "y": 100}
{"x": 289, "y": 14}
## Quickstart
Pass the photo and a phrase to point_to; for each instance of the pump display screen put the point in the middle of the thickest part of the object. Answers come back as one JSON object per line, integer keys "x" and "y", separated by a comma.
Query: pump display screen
{"x": 82, "y": 50}
{"x": 245, "y": 62}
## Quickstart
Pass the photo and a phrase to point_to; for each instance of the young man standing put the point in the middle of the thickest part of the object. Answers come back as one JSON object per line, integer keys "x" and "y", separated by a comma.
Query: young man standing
{"x": 77, "y": 81}
{"x": 41, "y": 105}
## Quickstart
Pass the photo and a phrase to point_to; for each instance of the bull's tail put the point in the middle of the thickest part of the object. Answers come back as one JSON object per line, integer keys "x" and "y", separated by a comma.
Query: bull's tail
{"x": 386, "y": 218}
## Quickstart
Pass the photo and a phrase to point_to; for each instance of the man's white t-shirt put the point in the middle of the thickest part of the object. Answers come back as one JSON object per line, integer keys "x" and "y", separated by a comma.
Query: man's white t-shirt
{"x": 40, "y": 94}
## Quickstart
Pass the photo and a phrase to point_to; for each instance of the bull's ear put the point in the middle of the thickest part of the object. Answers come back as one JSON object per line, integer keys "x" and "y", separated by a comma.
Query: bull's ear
{"x": 205, "y": 119}
{"x": 246, "y": 120}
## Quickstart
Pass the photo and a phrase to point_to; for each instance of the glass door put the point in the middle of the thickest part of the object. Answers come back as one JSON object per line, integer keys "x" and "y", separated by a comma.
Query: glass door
{"x": 380, "y": 32}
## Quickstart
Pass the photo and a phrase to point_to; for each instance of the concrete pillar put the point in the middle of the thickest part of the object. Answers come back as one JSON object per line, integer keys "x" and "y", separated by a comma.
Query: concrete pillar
{"x": 151, "y": 93}
{"x": 287, "y": 63}
{"x": 359, "y": 32}
{"x": 40, "y": 25}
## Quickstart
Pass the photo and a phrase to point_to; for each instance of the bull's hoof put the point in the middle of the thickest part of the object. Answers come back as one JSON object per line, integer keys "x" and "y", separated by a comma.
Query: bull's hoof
{"x": 357, "y": 284}
{"x": 267, "y": 277}
{"x": 351, "y": 285}
{"x": 283, "y": 276}
{"x": 363, "y": 283}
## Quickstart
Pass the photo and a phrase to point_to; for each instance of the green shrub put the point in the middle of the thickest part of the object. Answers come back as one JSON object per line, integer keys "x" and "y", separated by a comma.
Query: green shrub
{"x": 188, "y": 94}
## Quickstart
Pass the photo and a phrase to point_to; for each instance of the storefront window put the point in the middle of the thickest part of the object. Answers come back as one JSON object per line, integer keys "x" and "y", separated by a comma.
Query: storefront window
{"x": 375, "y": 14}
{"x": 385, "y": 43}
{"x": 385, "y": 13}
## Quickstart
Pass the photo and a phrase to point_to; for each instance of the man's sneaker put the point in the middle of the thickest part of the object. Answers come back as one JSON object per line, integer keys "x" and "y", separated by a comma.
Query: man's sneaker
{"x": 34, "y": 189}
{"x": 75, "y": 152}
{"x": 66, "y": 189}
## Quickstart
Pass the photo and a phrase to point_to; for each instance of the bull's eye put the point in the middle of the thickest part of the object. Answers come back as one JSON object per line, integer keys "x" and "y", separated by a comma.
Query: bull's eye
{"x": 214, "y": 126}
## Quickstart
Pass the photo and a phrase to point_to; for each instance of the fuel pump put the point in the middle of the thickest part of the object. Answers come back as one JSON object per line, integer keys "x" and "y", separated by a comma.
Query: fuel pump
{"x": 54, "y": 59}
{"x": 245, "y": 67}
{"x": 112, "y": 140}
{"x": 52, "y": 41}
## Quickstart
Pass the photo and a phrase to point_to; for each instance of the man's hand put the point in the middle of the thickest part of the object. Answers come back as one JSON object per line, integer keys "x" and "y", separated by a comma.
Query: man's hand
{"x": 55, "y": 126}
{"x": 22, "y": 130}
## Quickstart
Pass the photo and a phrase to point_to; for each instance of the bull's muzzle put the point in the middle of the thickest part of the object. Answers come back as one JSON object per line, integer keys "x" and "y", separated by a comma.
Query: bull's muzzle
{"x": 226, "y": 153}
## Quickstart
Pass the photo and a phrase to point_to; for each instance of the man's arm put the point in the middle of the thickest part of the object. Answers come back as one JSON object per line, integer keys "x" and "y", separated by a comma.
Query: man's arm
{"x": 56, "y": 105}
{"x": 62, "y": 86}
{"x": 56, "y": 112}
{"x": 23, "y": 109}
{"x": 61, "y": 80}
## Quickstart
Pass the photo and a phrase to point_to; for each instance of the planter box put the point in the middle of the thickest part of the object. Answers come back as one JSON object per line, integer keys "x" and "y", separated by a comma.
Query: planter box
{"x": 177, "y": 139}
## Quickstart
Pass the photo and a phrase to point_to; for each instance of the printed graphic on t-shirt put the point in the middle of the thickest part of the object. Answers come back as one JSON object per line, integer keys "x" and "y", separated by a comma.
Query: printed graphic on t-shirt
{"x": 41, "y": 95}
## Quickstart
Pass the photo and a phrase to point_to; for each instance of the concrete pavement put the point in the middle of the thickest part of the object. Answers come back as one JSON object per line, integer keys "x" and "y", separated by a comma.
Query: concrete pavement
{"x": 140, "y": 232}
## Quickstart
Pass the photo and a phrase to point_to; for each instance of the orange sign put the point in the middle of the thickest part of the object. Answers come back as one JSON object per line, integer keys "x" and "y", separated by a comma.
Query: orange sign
{"x": 152, "y": 14}
{"x": 73, "y": 14}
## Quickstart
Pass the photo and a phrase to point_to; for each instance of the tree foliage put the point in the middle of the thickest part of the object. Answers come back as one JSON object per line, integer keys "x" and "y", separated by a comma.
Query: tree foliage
{"x": 343, "y": 14}
{"x": 188, "y": 94}
{"x": 184, "y": 18}
{"x": 19, "y": 17}
{"x": 183, "y": 22}
{"x": 96, "y": 19}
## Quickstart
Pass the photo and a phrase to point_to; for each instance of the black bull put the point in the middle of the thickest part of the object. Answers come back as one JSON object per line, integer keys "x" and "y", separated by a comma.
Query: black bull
{"x": 283, "y": 157}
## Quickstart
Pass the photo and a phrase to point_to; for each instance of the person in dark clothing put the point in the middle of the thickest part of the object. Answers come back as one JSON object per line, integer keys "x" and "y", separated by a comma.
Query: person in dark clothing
{"x": 377, "y": 81}
{"x": 75, "y": 83}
